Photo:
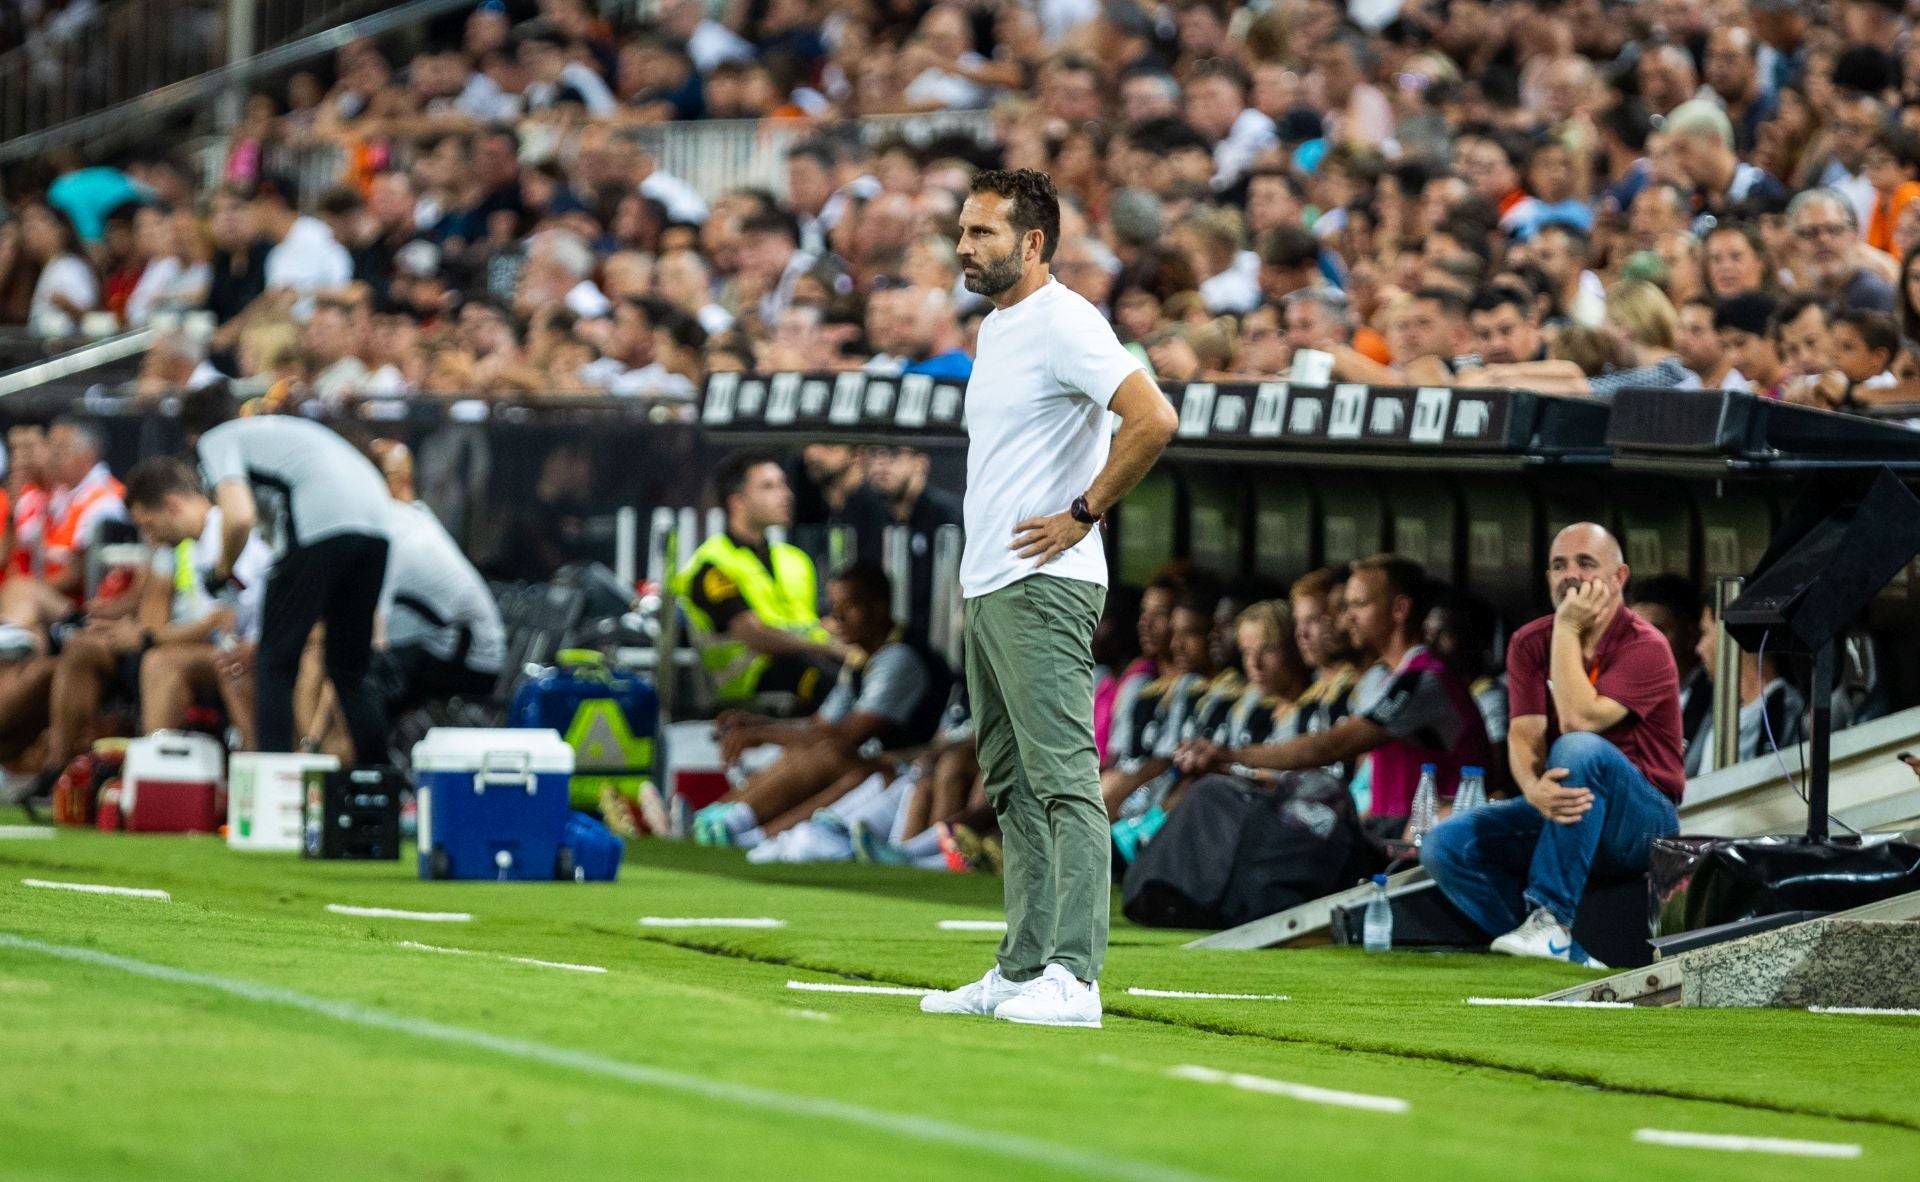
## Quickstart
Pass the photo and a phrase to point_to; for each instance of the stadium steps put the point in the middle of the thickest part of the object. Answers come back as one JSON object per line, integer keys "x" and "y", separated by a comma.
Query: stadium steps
{"x": 1869, "y": 789}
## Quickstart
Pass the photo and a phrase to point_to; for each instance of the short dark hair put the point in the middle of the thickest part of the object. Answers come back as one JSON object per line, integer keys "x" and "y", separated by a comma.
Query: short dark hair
{"x": 1032, "y": 203}
{"x": 1577, "y": 240}
{"x": 1452, "y": 303}
{"x": 156, "y": 478}
{"x": 1493, "y": 296}
{"x": 868, "y": 581}
{"x": 1795, "y": 306}
{"x": 1677, "y": 593}
{"x": 1876, "y": 329}
{"x": 730, "y": 474}
{"x": 818, "y": 151}
{"x": 1289, "y": 246}
{"x": 206, "y": 408}
{"x": 1405, "y": 577}
{"x": 772, "y": 221}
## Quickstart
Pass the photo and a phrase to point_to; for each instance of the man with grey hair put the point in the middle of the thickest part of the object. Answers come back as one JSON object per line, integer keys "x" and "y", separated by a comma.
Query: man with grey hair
{"x": 1317, "y": 318}
{"x": 1703, "y": 142}
{"x": 1827, "y": 250}
{"x": 560, "y": 271}
{"x": 1088, "y": 267}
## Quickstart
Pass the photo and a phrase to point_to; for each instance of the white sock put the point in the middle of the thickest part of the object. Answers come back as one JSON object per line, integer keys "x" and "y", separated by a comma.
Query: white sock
{"x": 740, "y": 818}
{"x": 923, "y": 843}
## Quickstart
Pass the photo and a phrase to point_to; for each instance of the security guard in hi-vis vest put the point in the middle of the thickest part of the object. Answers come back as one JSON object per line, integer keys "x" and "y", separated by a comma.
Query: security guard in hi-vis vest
{"x": 753, "y": 603}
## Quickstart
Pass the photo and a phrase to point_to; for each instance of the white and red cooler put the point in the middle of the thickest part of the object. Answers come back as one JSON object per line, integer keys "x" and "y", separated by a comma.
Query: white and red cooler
{"x": 171, "y": 783}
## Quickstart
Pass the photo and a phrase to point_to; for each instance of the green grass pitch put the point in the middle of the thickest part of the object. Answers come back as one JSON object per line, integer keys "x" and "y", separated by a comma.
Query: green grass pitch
{"x": 243, "y": 1031}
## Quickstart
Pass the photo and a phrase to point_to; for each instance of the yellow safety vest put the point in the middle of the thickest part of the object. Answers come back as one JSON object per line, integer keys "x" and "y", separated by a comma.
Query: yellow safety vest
{"x": 782, "y": 598}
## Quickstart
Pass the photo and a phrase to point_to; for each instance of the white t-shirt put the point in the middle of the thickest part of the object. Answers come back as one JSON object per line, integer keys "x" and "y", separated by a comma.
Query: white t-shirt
{"x": 1037, "y": 431}
{"x": 432, "y": 593}
{"x": 309, "y": 483}
{"x": 308, "y": 259}
{"x": 66, "y": 276}
{"x": 251, "y": 569}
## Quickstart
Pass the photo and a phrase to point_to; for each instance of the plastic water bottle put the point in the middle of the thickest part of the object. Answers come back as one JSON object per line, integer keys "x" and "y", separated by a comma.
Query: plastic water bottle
{"x": 1376, "y": 925}
{"x": 1426, "y": 805}
{"x": 1472, "y": 792}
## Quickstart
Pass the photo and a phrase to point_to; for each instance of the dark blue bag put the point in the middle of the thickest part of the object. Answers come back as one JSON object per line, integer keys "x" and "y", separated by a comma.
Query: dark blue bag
{"x": 594, "y": 850}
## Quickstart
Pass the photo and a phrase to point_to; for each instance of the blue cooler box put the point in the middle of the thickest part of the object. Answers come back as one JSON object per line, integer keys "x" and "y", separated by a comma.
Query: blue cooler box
{"x": 493, "y": 804}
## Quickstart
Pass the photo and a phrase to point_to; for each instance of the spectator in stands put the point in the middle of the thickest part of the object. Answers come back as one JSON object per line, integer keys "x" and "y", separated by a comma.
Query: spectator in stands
{"x": 1744, "y": 323}
{"x": 1594, "y": 743}
{"x": 1830, "y": 259}
{"x": 305, "y": 258}
{"x": 1702, "y": 137}
{"x": 331, "y": 341}
{"x": 1425, "y": 716}
{"x": 177, "y": 652}
{"x": 65, "y": 288}
{"x": 1861, "y": 349}
{"x": 1697, "y": 345}
{"x": 1800, "y": 326}
{"x": 1735, "y": 259}
{"x": 888, "y": 696}
{"x": 322, "y": 508}
{"x": 750, "y": 601}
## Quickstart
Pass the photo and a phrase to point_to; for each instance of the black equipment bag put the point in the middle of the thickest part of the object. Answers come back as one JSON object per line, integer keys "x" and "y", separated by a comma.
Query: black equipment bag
{"x": 1231, "y": 853}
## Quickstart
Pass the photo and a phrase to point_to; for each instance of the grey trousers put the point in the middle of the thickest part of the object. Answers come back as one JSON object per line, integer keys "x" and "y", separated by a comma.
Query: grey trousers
{"x": 1030, "y": 678}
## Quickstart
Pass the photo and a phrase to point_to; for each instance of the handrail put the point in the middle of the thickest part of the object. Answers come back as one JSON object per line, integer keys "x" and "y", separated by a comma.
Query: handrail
{"x": 199, "y": 88}
{"x": 101, "y": 352}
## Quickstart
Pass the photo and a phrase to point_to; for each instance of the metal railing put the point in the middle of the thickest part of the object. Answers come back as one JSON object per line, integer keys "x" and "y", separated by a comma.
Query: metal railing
{"x": 120, "y": 51}
{"x": 713, "y": 156}
{"x": 119, "y": 113}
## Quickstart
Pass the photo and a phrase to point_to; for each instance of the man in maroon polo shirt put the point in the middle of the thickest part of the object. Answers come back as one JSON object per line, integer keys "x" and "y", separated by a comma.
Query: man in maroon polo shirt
{"x": 1594, "y": 743}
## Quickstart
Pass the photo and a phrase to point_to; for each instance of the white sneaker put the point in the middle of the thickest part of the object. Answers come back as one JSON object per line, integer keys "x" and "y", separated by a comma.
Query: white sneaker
{"x": 978, "y": 999}
{"x": 1054, "y": 998}
{"x": 1544, "y": 936}
{"x": 773, "y": 849}
{"x": 814, "y": 841}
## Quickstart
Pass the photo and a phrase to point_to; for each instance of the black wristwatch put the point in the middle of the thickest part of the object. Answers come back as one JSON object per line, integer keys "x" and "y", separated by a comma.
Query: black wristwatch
{"x": 1080, "y": 513}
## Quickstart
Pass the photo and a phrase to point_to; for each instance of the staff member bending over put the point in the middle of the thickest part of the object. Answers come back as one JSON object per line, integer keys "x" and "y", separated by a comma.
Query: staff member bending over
{"x": 322, "y": 507}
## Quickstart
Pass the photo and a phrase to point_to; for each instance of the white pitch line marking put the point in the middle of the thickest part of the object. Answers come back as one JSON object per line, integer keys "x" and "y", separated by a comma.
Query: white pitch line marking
{"x": 926, "y": 1129}
{"x": 1551, "y": 1005}
{"x": 1677, "y": 1140}
{"x": 1277, "y": 1087}
{"x": 545, "y": 964}
{"x": 1208, "y": 996}
{"x": 391, "y": 913}
{"x": 675, "y": 921}
{"x": 886, "y": 990}
{"x": 973, "y": 925}
{"x": 24, "y": 832}
{"x": 94, "y": 888}
{"x": 1866, "y": 1011}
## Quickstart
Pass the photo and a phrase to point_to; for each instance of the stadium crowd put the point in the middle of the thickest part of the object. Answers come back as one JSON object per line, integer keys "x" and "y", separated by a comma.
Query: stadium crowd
{"x": 1570, "y": 195}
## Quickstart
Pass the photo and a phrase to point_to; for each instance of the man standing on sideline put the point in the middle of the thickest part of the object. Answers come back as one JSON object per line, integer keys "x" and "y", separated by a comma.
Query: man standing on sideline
{"x": 322, "y": 507}
{"x": 1042, "y": 469}
{"x": 1594, "y": 744}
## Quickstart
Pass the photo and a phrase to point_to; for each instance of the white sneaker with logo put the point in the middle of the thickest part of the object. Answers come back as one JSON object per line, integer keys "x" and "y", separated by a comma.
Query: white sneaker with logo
{"x": 977, "y": 1000}
{"x": 1054, "y": 998}
{"x": 1544, "y": 936}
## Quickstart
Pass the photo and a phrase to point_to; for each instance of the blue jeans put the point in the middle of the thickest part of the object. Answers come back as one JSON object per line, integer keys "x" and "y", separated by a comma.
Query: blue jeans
{"x": 1499, "y": 862}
